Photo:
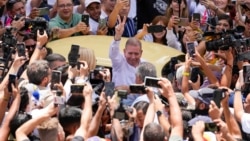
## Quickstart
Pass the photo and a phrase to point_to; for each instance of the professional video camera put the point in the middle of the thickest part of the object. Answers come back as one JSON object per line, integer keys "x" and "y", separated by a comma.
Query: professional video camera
{"x": 226, "y": 39}
{"x": 8, "y": 41}
{"x": 33, "y": 25}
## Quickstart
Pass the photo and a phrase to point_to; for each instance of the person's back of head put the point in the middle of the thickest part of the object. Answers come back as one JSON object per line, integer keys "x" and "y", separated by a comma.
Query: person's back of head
{"x": 153, "y": 132}
{"x": 48, "y": 130}
{"x": 70, "y": 118}
{"x": 145, "y": 69}
{"x": 55, "y": 60}
{"x": 24, "y": 99}
{"x": 88, "y": 55}
{"x": 17, "y": 121}
{"x": 37, "y": 71}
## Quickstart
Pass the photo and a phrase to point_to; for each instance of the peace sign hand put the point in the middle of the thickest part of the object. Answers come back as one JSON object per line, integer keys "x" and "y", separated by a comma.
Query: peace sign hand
{"x": 120, "y": 27}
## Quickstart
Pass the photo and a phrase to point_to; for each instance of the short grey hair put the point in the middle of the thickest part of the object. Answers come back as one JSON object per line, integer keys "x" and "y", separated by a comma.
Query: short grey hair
{"x": 133, "y": 42}
{"x": 145, "y": 69}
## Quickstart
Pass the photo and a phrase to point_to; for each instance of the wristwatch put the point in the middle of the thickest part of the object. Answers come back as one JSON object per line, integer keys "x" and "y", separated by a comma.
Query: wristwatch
{"x": 159, "y": 113}
{"x": 236, "y": 89}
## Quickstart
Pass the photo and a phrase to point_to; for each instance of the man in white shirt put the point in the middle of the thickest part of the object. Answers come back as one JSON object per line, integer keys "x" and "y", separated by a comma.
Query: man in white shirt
{"x": 93, "y": 8}
{"x": 124, "y": 65}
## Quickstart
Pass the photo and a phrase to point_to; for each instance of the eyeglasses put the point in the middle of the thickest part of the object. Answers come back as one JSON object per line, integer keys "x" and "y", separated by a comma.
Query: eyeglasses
{"x": 30, "y": 46}
{"x": 65, "y": 5}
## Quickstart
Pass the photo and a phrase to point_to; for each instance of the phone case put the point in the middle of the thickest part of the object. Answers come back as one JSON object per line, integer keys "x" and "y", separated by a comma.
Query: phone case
{"x": 21, "y": 49}
{"x": 190, "y": 48}
{"x": 151, "y": 82}
{"x": 85, "y": 19}
{"x": 155, "y": 28}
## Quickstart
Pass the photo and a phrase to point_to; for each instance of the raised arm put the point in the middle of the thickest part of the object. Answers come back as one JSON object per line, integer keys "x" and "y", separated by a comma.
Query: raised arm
{"x": 87, "y": 112}
{"x": 227, "y": 75}
{"x": 23, "y": 131}
{"x": 175, "y": 116}
{"x": 5, "y": 129}
{"x": 238, "y": 105}
{"x": 96, "y": 121}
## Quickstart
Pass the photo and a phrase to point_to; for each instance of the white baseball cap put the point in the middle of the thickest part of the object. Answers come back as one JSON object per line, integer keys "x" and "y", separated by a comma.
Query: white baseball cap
{"x": 88, "y": 2}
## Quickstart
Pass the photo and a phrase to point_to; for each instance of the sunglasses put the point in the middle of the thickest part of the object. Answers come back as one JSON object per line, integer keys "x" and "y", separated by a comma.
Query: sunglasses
{"x": 31, "y": 46}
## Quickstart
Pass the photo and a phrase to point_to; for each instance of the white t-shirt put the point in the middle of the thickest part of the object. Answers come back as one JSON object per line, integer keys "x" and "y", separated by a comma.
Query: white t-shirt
{"x": 245, "y": 122}
{"x": 132, "y": 11}
{"x": 28, "y": 7}
{"x": 103, "y": 15}
{"x": 93, "y": 25}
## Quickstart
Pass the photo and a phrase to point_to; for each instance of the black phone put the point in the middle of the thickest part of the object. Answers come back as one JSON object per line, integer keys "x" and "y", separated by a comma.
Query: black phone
{"x": 122, "y": 94}
{"x": 194, "y": 74}
{"x": 196, "y": 17}
{"x": 73, "y": 55}
{"x": 246, "y": 73}
{"x": 152, "y": 82}
{"x": 109, "y": 88}
{"x": 155, "y": 28}
{"x": 76, "y": 89}
{"x": 21, "y": 49}
{"x": 212, "y": 127}
{"x": 218, "y": 95}
{"x": 137, "y": 89}
{"x": 85, "y": 19}
{"x": 190, "y": 48}
{"x": 55, "y": 78}
{"x": 12, "y": 80}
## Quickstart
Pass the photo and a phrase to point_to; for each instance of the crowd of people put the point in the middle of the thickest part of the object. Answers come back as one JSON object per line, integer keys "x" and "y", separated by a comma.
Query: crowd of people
{"x": 203, "y": 98}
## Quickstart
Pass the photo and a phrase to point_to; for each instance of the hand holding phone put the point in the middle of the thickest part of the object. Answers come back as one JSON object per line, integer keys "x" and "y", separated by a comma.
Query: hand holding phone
{"x": 12, "y": 81}
{"x": 21, "y": 49}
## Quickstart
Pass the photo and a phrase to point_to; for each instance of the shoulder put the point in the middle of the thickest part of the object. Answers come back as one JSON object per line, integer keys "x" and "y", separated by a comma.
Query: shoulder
{"x": 78, "y": 138}
{"x": 175, "y": 138}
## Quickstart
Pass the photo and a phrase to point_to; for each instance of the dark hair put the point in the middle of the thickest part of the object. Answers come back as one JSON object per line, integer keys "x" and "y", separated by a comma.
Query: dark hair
{"x": 17, "y": 121}
{"x": 24, "y": 99}
{"x": 69, "y": 116}
{"x": 227, "y": 18}
{"x": 75, "y": 100}
{"x": 10, "y": 4}
{"x": 142, "y": 105}
{"x": 54, "y": 57}
{"x": 153, "y": 132}
{"x": 29, "y": 36}
{"x": 164, "y": 20}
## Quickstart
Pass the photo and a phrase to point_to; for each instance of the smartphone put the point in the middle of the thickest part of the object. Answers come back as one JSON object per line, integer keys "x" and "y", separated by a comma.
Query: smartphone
{"x": 137, "y": 89}
{"x": 73, "y": 55}
{"x": 109, "y": 88}
{"x": 212, "y": 127}
{"x": 194, "y": 74}
{"x": 196, "y": 17}
{"x": 152, "y": 82}
{"x": 122, "y": 94}
{"x": 55, "y": 78}
{"x": 58, "y": 100}
{"x": 76, "y": 88}
{"x": 246, "y": 74}
{"x": 155, "y": 28}
{"x": 43, "y": 11}
{"x": 12, "y": 80}
{"x": 102, "y": 23}
{"x": 218, "y": 95}
{"x": 21, "y": 49}
{"x": 183, "y": 22}
{"x": 85, "y": 19}
{"x": 190, "y": 48}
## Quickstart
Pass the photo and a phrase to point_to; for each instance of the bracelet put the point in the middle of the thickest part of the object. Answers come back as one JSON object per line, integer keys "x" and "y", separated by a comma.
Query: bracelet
{"x": 185, "y": 74}
{"x": 236, "y": 89}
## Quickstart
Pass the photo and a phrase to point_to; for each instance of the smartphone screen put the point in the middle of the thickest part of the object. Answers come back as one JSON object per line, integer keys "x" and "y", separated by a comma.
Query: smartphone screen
{"x": 85, "y": 19}
{"x": 137, "y": 89}
{"x": 43, "y": 11}
{"x": 155, "y": 28}
{"x": 151, "y": 82}
{"x": 20, "y": 49}
{"x": 183, "y": 22}
{"x": 218, "y": 96}
{"x": 246, "y": 74}
{"x": 212, "y": 127}
{"x": 55, "y": 78}
{"x": 12, "y": 79}
{"x": 191, "y": 48}
{"x": 102, "y": 23}
{"x": 109, "y": 88}
{"x": 76, "y": 89}
{"x": 196, "y": 17}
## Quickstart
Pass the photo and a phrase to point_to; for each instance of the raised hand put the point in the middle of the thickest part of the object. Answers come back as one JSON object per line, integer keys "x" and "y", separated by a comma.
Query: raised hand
{"x": 119, "y": 29}
{"x": 41, "y": 39}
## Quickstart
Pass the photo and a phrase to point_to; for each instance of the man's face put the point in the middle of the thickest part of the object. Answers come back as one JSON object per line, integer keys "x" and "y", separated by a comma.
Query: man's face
{"x": 94, "y": 10}
{"x": 109, "y": 4}
{"x": 133, "y": 54}
{"x": 18, "y": 8}
{"x": 65, "y": 9}
{"x": 222, "y": 25}
{"x": 30, "y": 46}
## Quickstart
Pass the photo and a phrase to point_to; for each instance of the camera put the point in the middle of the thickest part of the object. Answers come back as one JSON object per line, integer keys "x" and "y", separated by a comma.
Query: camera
{"x": 226, "y": 39}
